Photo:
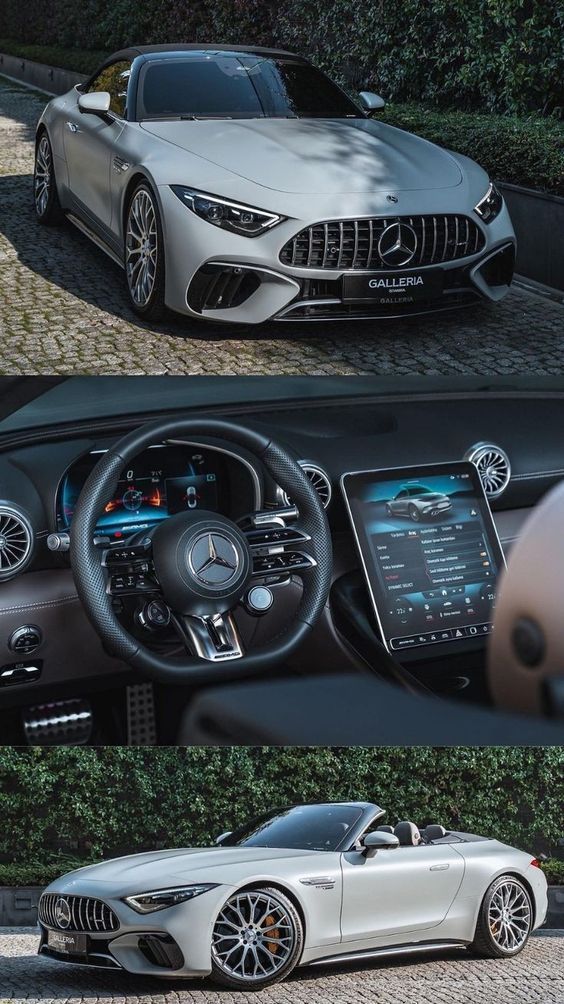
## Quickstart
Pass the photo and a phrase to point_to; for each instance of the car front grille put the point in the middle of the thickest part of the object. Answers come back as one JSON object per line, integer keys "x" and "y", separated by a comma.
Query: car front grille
{"x": 83, "y": 914}
{"x": 354, "y": 244}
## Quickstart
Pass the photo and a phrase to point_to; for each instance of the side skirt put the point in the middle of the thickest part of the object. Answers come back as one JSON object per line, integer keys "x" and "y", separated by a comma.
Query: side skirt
{"x": 373, "y": 953}
{"x": 95, "y": 238}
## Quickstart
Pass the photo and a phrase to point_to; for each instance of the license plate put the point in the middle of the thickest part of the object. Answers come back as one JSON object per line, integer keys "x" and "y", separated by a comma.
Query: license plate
{"x": 393, "y": 287}
{"x": 67, "y": 944}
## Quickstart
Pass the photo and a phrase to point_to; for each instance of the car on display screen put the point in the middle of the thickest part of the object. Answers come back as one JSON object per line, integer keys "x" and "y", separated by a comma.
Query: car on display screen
{"x": 243, "y": 185}
{"x": 418, "y": 502}
{"x": 301, "y": 885}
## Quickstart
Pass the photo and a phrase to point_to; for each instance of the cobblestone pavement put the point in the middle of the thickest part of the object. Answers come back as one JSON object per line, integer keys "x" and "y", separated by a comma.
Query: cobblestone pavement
{"x": 63, "y": 309}
{"x": 534, "y": 977}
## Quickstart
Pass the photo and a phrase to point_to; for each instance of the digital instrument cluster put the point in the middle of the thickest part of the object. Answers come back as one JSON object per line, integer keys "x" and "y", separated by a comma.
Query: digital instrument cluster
{"x": 162, "y": 481}
{"x": 430, "y": 553}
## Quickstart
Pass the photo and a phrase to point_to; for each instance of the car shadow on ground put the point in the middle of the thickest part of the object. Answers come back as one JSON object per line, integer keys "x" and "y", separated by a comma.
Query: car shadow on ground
{"x": 66, "y": 258}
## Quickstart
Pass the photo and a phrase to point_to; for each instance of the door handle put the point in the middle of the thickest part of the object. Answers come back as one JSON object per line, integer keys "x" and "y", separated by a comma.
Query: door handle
{"x": 72, "y": 127}
{"x": 439, "y": 868}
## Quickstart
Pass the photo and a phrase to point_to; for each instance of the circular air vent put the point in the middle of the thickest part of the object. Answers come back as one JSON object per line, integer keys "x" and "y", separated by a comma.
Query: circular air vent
{"x": 320, "y": 481}
{"x": 493, "y": 467}
{"x": 16, "y": 542}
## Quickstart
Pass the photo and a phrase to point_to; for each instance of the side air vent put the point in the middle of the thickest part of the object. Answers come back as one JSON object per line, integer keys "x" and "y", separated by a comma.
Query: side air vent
{"x": 320, "y": 481}
{"x": 493, "y": 466}
{"x": 16, "y": 542}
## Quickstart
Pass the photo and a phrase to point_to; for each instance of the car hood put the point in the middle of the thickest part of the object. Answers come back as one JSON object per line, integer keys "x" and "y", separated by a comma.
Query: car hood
{"x": 174, "y": 867}
{"x": 315, "y": 156}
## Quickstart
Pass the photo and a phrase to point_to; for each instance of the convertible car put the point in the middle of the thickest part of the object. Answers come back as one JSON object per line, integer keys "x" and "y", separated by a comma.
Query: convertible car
{"x": 243, "y": 185}
{"x": 202, "y": 560}
{"x": 303, "y": 885}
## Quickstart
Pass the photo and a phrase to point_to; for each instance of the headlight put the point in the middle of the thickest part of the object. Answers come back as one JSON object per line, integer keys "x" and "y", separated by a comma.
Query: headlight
{"x": 489, "y": 207}
{"x": 161, "y": 899}
{"x": 227, "y": 215}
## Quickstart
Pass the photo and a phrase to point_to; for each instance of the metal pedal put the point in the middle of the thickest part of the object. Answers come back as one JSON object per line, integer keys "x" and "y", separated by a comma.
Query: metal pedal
{"x": 63, "y": 723}
{"x": 141, "y": 719}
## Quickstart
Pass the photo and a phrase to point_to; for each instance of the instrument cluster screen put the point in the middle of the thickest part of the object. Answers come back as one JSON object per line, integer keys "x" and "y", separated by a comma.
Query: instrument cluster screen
{"x": 162, "y": 481}
{"x": 430, "y": 552}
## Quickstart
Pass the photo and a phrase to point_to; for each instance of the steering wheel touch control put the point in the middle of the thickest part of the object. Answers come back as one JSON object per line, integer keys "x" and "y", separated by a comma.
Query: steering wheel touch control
{"x": 201, "y": 566}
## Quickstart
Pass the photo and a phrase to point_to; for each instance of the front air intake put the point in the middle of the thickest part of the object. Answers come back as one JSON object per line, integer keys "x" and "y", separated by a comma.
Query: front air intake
{"x": 16, "y": 542}
{"x": 493, "y": 467}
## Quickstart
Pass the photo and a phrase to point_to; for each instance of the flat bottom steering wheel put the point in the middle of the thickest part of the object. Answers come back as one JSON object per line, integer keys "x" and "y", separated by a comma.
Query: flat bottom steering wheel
{"x": 199, "y": 564}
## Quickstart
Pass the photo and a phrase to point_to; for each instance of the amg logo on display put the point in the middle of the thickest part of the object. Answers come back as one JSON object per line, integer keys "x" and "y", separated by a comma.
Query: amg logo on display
{"x": 404, "y": 280}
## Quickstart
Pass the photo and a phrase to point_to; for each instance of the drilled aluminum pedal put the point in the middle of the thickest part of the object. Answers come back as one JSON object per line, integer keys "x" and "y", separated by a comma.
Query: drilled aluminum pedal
{"x": 141, "y": 719}
{"x": 63, "y": 723}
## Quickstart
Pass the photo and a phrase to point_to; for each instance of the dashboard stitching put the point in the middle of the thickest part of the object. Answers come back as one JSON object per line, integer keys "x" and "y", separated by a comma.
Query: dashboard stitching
{"x": 38, "y": 606}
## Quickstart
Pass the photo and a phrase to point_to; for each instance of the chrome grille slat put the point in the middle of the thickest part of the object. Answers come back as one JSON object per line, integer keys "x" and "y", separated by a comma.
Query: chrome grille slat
{"x": 352, "y": 245}
{"x": 86, "y": 914}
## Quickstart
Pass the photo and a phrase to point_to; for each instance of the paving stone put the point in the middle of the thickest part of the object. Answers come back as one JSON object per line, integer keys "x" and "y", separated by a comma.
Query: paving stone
{"x": 536, "y": 976}
{"x": 63, "y": 309}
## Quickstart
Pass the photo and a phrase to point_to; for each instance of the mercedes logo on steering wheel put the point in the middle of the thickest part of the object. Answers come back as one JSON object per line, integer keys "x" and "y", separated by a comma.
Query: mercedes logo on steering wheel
{"x": 397, "y": 244}
{"x": 213, "y": 559}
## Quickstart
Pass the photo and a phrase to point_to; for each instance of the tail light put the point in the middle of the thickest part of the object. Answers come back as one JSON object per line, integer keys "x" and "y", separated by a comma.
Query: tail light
{"x": 535, "y": 863}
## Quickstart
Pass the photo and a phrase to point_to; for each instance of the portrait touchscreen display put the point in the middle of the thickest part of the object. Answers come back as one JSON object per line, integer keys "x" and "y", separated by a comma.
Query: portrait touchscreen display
{"x": 430, "y": 552}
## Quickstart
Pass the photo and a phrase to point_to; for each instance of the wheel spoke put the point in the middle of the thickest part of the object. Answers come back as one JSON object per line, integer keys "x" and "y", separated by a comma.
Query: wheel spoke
{"x": 141, "y": 248}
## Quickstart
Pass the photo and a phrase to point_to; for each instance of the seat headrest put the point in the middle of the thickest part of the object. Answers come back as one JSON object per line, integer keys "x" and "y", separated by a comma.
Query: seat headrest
{"x": 407, "y": 834}
{"x": 384, "y": 829}
{"x": 434, "y": 832}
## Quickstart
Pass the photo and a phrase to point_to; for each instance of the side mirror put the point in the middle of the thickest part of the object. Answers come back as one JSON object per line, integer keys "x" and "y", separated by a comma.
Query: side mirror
{"x": 223, "y": 836}
{"x": 378, "y": 841}
{"x": 372, "y": 102}
{"x": 95, "y": 103}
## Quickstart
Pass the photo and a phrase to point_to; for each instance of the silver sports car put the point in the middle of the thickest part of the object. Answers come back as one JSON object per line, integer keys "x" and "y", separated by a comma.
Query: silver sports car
{"x": 303, "y": 885}
{"x": 418, "y": 502}
{"x": 244, "y": 185}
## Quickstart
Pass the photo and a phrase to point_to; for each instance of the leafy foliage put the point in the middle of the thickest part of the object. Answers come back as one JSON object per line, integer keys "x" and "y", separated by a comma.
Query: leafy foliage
{"x": 522, "y": 151}
{"x": 97, "y": 802}
{"x": 488, "y": 55}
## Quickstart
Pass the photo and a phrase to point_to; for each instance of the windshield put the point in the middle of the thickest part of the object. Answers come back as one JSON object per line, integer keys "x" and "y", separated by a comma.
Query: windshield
{"x": 305, "y": 827}
{"x": 242, "y": 86}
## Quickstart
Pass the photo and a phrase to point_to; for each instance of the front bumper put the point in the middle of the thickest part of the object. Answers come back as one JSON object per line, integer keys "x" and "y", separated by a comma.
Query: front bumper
{"x": 169, "y": 943}
{"x": 216, "y": 275}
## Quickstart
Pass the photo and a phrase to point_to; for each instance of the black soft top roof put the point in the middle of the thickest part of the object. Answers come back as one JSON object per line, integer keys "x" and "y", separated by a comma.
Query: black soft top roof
{"x": 178, "y": 48}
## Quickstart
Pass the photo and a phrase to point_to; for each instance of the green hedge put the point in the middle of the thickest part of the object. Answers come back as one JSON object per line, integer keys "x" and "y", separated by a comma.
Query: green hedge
{"x": 98, "y": 802}
{"x": 494, "y": 55}
{"x": 522, "y": 151}
{"x": 79, "y": 60}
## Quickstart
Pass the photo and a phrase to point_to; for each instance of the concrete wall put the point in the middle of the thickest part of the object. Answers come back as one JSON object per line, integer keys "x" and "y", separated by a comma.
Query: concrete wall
{"x": 50, "y": 79}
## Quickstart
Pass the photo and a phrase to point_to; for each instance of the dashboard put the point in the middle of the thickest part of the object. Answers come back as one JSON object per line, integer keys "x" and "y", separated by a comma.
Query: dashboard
{"x": 42, "y": 475}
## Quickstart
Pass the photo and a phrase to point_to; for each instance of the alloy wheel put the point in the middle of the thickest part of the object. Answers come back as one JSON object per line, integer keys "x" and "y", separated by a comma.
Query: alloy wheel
{"x": 253, "y": 936}
{"x": 141, "y": 247}
{"x": 43, "y": 173}
{"x": 509, "y": 916}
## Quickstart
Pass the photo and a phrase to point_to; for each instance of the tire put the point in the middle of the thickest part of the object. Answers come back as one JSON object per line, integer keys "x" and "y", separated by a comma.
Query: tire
{"x": 45, "y": 196}
{"x": 144, "y": 255}
{"x": 261, "y": 909}
{"x": 491, "y": 938}
{"x": 414, "y": 514}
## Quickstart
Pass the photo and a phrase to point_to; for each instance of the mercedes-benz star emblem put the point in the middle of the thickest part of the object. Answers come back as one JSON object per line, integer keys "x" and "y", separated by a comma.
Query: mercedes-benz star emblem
{"x": 62, "y": 914}
{"x": 397, "y": 244}
{"x": 214, "y": 559}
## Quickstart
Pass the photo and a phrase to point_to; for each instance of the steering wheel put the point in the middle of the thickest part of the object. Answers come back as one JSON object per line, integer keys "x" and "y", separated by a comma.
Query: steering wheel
{"x": 199, "y": 565}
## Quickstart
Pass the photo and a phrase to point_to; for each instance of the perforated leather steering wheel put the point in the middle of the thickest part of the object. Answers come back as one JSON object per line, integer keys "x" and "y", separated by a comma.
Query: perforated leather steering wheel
{"x": 199, "y": 565}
